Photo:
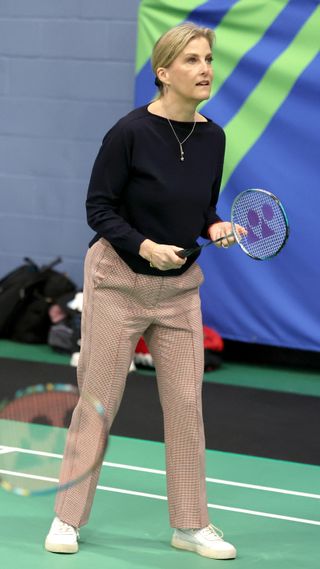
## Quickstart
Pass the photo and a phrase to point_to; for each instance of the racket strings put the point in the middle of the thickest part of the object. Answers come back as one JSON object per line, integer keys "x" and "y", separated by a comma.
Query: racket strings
{"x": 33, "y": 436}
{"x": 264, "y": 219}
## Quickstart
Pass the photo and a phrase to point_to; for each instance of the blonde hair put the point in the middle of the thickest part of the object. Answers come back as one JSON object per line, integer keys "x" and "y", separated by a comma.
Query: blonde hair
{"x": 173, "y": 42}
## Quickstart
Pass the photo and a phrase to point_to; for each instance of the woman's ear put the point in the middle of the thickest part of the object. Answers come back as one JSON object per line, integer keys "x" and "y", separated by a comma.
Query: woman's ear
{"x": 163, "y": 76}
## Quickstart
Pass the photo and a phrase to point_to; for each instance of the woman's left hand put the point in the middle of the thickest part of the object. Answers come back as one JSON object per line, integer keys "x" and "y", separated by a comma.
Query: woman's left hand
{"x": 224, "y": 229}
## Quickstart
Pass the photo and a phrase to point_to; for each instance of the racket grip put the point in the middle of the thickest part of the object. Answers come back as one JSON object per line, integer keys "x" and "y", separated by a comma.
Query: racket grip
{"x": 187, "y": 252}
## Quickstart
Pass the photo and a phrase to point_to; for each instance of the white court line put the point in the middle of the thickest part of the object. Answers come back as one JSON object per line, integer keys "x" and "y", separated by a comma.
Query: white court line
{"x": 215, "y": 506}
{"x": 220, "y": 481}
{"x": 265, "y": 488}
{"x": 31, "y": 476}
{"x": 163, "y": 472}
{"x": 159, "y": 497}
{"x": 265, "y": 515}
{"x": 6, "y": 450}
{"x": 27, "y": 451}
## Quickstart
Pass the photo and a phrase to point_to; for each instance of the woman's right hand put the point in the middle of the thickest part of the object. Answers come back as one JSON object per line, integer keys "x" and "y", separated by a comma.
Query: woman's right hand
{"x": 162, "y": 257}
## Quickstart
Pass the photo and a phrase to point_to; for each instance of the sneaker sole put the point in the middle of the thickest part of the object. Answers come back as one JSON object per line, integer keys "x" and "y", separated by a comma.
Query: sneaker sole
{"x": 61, "y": 548}
{"x": 202, "y": 550}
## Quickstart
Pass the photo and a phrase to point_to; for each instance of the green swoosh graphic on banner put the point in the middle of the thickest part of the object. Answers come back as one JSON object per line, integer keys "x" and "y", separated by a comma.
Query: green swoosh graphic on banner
{"x": 255, "y": 114}
{"x": 238, "y": 32}
{"x": 155, "y": 18}
{"x": 233, "y": 38}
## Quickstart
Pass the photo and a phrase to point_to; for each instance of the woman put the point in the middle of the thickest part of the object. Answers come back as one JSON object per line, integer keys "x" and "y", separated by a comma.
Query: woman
{"x": 153, "y": 190}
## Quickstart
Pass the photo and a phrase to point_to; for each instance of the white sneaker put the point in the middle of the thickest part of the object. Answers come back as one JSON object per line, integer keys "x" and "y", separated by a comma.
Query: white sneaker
{"x": 205, "y": 541}
{"x": 62, "y": 538}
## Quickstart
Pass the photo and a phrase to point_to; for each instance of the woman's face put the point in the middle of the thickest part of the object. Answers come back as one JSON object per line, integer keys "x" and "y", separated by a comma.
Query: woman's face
{"x": 190, "y": 75}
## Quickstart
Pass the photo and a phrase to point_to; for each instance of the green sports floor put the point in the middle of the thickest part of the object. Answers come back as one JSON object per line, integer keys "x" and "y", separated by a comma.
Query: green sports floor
{"x": 268, "y": 508}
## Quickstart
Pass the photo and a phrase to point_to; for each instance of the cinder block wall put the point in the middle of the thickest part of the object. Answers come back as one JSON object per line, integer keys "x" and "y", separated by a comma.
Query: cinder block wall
{"x": 66, "y": 75}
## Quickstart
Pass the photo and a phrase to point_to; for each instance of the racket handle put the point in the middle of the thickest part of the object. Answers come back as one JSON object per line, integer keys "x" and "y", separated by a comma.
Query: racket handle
{"x": 187, "y": 252}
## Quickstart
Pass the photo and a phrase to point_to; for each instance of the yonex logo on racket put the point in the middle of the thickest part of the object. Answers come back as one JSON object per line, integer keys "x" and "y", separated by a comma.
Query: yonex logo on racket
{"x": 258, "y": 227}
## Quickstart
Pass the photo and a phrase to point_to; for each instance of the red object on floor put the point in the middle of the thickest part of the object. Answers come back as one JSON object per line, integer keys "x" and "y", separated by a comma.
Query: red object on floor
{"x": 212, "y": 342}
{"x": 142, "y": 355}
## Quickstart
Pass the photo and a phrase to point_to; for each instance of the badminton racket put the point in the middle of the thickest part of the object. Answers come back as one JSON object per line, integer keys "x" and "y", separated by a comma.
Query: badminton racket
{"x": 33, "y": 433}
{"x": 263, "y": 217}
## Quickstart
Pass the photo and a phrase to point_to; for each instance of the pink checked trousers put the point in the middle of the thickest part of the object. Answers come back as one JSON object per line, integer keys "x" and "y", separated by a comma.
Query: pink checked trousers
{"x": 119, "y": 307}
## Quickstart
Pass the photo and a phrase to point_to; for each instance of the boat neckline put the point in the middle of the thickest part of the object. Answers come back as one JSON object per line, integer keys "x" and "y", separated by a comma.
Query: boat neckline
{"x": 188, "y": 123}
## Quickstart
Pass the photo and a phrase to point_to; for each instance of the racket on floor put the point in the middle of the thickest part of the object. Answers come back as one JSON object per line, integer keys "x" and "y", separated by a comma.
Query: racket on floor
{"x": 263, "y": 216}
{"x": 33, "y": 433}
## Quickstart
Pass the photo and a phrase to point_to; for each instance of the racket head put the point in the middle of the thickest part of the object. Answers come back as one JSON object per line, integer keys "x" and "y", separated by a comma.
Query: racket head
{"x": 263, "y": 216}
{"x": 33, "y": 433}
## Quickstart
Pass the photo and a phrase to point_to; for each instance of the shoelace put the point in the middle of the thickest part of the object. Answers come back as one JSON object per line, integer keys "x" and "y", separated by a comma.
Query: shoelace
{"x": 212, "y": 531}
{"x": 66, "y": 528}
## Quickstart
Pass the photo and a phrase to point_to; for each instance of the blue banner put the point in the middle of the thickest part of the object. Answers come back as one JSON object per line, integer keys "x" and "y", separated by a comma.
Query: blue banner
{"x": 266, "y": 96}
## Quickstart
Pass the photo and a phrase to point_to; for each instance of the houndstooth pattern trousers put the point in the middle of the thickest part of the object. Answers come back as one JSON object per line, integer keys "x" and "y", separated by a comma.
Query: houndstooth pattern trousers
{"x": 119, "y": 307}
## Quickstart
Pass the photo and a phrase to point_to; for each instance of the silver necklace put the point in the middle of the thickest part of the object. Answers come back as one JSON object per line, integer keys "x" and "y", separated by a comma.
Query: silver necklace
{"x": 181, "y": 142}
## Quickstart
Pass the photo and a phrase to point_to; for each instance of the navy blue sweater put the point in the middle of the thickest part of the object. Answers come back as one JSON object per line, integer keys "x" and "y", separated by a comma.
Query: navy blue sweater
{"x": 139, "y": 188}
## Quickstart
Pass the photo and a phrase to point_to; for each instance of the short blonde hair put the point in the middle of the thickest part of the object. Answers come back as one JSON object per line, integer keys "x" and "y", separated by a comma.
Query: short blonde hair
{"x": 173, "y": 42}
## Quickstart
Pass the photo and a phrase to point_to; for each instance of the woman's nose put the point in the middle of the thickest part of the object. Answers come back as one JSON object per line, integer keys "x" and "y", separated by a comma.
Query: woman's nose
{"x": 205, "y": 67}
